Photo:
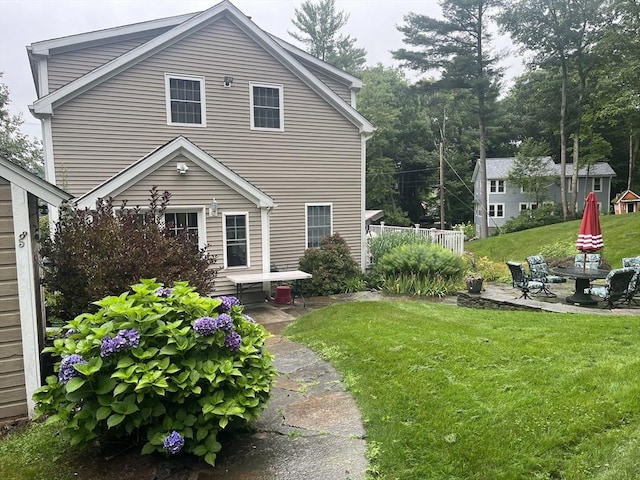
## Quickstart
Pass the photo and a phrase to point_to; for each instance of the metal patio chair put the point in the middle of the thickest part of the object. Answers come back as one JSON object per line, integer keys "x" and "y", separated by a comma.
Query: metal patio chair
{"x": 618, "y": 286}
{"x": 521, "y": 281}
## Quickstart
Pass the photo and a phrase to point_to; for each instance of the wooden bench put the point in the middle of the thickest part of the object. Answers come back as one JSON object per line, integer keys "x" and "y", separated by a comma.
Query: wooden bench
{"x": 240, "y": 280}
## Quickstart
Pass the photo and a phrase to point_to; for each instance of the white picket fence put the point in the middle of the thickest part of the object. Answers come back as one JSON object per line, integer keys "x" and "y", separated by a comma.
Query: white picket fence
{"x": 451, "y": 239}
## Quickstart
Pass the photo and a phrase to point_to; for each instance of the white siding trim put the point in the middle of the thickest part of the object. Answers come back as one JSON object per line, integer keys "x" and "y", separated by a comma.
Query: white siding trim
{"x": 27, "y": 294}
{"x": 265, "y": 232}
{"x": 203, "y": 100}
{"x": 49, "y": 164}
{"x": 43, "y": 77}
{"x": 245, "y": 214}
{"x": 274, "y": 86}
{"x": 363, "y": 195}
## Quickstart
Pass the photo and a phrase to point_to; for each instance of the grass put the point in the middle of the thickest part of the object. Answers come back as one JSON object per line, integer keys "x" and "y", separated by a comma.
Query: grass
{"x": 39, "y": 452}
{"x": 453, "y": 393}
{"x": 621, "y": 234}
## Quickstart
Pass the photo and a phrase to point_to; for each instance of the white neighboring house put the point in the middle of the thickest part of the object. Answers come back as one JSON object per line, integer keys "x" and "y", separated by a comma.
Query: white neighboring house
{"x": 506, "y": 201}
{"x": 22, "y": 325}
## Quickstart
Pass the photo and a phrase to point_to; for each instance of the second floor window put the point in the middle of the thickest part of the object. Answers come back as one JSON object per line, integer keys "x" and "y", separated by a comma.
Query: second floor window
{"x": 597, "y": 184}
{"x": 266, "y": 107}
{"x": 496, "y": 186}
{"x": 185, "y": 100}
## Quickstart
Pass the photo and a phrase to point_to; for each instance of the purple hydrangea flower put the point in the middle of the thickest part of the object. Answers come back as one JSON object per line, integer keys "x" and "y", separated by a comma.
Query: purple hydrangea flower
{"x": 71, "y": 331}
{"x": 164, "y": 292}
{"x": 228, "y": 303}
{"x": 232, "y": 341}
{"x": 124, "y": 339}
{"x": 67, "y": 372}
{"x": 173, "y": 443}
{"x": 205, "y": 326}
{"x": 224, "y": 322}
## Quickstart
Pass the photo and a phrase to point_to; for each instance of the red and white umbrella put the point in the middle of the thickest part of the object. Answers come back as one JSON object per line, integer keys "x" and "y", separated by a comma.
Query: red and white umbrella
{"x": 590, "y": 235}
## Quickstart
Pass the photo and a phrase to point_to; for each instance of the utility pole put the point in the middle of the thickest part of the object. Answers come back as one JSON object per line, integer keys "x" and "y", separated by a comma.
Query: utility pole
{"x": 441, "y": 149}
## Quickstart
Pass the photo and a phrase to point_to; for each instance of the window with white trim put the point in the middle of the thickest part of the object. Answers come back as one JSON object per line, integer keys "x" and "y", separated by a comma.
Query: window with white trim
{"x": 496, "y": 186}
{"x": 319, "y": 223}
{"x": 185, "y": 100}
{"x": 267, "y": 111}
{"x": 523, "y": 206}
{"x": 236, "y": 239}
{"x": 597, "y": 184}
{"x": 496, "y": 210}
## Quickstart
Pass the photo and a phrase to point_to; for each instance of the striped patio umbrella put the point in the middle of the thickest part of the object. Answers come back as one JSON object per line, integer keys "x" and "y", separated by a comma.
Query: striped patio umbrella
{"x": 590, "y": 234}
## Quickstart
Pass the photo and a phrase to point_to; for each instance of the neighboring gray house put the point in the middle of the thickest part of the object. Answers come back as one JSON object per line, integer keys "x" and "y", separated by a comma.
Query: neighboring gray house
{"x": 505, "y": 201}
{"x": 258, "y": 142}
{"x": 21, "y": 320}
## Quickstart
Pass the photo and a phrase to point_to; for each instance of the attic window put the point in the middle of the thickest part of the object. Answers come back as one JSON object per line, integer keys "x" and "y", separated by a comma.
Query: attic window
{"x": 185, "y": 100}
{"x": 266, "y": 107}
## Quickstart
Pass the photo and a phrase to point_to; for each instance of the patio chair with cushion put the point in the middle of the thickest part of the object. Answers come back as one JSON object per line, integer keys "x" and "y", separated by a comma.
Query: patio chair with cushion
{"x": 617, "y": 286}
{"x": 587, "y": 260}
{"x": 634, "y": 286}
{"x": 521, "y": 281}
{"x": 540, "y": 270}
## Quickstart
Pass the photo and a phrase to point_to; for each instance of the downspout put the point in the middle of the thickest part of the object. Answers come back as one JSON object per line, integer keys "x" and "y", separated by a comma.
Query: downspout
{"x": 265, "y": 234}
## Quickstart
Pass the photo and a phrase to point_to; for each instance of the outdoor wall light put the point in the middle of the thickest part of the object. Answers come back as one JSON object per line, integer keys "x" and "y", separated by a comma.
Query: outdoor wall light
{"x": 181, "y": 168}
{"x": 213, "y": 209}
{"x": 228, "y": 80}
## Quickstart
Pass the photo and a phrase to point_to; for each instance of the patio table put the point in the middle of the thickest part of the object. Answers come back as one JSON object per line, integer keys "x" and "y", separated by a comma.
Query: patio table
{"x": 583, "y": 278}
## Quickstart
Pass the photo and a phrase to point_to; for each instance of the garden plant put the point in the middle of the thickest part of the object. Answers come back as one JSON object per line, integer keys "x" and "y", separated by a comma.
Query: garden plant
{"x": 165, "y": 365}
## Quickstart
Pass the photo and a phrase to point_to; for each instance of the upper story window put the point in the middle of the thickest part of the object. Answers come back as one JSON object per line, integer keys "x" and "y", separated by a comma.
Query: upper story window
{"x": 236, "y": 240}
{"x": 496, "y": 186}
{"x": 266, "y": 107}
{"x": 319, "y": 223}
{"x": 185, "y": 100}
{"x": 597, "y": 184}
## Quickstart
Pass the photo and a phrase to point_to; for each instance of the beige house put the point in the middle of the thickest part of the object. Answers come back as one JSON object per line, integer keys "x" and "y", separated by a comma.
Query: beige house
{"x": 21, "y": 320}
{"x": 626, "y": 202}
{"x": 258, "y": 142}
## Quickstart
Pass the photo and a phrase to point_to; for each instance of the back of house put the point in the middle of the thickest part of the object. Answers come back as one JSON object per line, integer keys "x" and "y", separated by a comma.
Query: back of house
{"x": 259, "y": 143}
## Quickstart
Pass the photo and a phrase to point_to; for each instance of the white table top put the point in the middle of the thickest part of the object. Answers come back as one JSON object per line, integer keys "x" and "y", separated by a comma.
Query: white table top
{"x": 268, "y": 277}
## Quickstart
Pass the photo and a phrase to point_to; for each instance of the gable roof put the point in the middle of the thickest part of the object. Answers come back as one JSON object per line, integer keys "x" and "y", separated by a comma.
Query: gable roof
{"x": 627, "y": 196}
{"x": 160, "y": 156}
{"x": 187, "y": 25}
{"x": 32, "y": 183}
{"x": 498, "y": 168}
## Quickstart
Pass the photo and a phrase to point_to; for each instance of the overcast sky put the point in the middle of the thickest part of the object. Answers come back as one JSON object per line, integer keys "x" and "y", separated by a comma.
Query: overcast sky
{"x": 23, "y": 22}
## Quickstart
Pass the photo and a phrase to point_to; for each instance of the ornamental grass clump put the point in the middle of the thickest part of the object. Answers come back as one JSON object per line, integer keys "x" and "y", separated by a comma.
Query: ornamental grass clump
{"x": 162, "y": 364}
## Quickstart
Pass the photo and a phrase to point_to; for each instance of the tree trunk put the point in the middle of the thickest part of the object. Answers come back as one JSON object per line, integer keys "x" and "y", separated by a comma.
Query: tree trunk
{"x": 563, "y": 141}
{"x": 482, "y": 167}
{"x": 574, "y": 174}
{"x": 442, "y": 184}
{"x": 630, "y": 160}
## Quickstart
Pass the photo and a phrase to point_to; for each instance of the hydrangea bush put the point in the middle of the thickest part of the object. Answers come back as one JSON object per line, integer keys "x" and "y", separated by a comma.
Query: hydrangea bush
{"x": 165, "y": 364}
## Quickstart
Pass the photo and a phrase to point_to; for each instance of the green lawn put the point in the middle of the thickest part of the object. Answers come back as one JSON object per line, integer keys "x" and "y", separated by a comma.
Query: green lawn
{"x": 621, "y": 234}
{"x": 453, "y": 393}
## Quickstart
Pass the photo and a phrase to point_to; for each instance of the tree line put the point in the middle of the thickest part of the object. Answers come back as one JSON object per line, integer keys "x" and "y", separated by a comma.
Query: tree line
{"x": 578, "y": 100}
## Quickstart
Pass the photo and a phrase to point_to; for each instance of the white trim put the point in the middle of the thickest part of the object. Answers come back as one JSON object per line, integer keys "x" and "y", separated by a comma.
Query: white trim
{"x": 35, "y": 185}
{"x": 526, "y": 205}
{"x": 179, "y": 146}
{"x": 49, "y": 164}
{"x": 265, "y": 232}
{"x": 203, "y": 101}
{"x": 43, "y": 77}
{"x": 26, "y": 292}
{"x": 363, "y": 200}
{"x": 306, "y": 219}
{"x": 47, "y": 104}
{"x": 274, "y": 86}
{"x": 244, "y": 214}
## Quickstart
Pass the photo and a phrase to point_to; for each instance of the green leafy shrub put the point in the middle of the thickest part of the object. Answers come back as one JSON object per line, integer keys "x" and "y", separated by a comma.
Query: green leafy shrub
{"x": 165, "y": 364}
{"x": 94, "y": 254}
{"x": 486, "y": 268}
{"x": 468, "y": 228}
{"x": 420, "y": 269}
{"x": 543, "y": 215}
{"x": 331, "y": 266}
{"x": 387, "y": 241}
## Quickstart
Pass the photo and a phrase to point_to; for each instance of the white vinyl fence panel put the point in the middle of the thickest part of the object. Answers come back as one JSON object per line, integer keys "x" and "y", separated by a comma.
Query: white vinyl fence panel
{"x": 451, "y": 239}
